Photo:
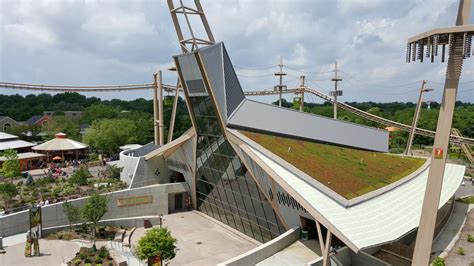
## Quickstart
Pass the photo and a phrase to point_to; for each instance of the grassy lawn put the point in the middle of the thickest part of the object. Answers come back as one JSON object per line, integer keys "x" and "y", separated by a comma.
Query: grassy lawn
{"x": 348, "y": 172}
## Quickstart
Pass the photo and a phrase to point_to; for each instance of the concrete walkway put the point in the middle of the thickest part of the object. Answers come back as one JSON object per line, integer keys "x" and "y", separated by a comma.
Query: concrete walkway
{"x": 298, "y": 253}
{"x": 445, "y": 241}
{"x": 453, "y": 257}
{"x": 53, "y": 252}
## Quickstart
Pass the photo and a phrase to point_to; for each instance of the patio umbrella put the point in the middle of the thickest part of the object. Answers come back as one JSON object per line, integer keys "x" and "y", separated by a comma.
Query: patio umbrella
{"x": 57, "y": 158}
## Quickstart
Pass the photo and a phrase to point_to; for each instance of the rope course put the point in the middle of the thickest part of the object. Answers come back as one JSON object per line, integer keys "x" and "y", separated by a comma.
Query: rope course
{"x": 131, "y": 87}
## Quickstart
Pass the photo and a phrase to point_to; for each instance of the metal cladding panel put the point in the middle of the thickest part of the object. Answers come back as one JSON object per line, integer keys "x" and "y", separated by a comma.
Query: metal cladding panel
{"x": 212, "y": 60}
{"x": 233, "y": 90}
{"x": 191, "y": 75}
{"x": 379, "y": 220}
{"x": 269, "y": 118}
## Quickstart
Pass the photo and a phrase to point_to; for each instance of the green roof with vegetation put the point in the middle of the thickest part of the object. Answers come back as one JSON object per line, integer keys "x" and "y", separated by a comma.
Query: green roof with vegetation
{"x": 348, "y": 172}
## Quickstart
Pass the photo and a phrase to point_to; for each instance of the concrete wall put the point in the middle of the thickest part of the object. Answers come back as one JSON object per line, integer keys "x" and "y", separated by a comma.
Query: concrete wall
{"x": 266, "y": 250}
{"x": 129, "y": 166}
{"x": 153, "y": 171}
{"x": 53, "y": 215}
{"x": 137, "y": 172}
{"x": 345, "y": 256}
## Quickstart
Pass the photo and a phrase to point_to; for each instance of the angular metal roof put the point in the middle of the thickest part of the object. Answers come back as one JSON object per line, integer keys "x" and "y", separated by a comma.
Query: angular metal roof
{"x": 258, "y": 116}
{"x": 379, "y": 220}
{"x": 15, "y": 144}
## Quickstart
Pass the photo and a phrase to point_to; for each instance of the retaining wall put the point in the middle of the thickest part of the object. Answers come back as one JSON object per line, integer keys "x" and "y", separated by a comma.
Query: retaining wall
{"x": 266, "y": 250}
{"x": 53, "y": 215}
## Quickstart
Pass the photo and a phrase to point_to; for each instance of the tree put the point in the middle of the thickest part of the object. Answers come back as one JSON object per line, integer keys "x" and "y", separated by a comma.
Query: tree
{"x": 72, "y": 212}
{"x": 62, "y": 124}
{"x": 80, "y": 177}
{"x": 11, "y": 166}
{"x": 113, "y": 172}
{"x": 94, "y": 209}
{"x": 109, "y": 134}
{"x": 99, "y": 111}
{"x": 8, "y": 192}
{"x": 157, "y": 242}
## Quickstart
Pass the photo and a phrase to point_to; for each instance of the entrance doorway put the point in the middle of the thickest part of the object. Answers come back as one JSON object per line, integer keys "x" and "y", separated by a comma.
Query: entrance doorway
{"x": 178, "y": 201}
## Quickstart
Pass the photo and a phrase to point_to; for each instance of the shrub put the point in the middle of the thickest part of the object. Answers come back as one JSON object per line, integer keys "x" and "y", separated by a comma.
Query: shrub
{"x": 113, "y": 172}
{"x": 470, "y": 238}
{"x": 397, "y": 150}
{"x": 29, "y": 180}
{"x": 87, "y": 260}
{"x": 156, "y": 242}
{"x": 461, "y": 251}
{"x": 438, "y": 262}
{"x": 103, "y": 252}
{"x": 80, "y": 176}
{"x": 77, "y": 262}
{"x": 93, "y": 156}
{"x": 19, "y": 184}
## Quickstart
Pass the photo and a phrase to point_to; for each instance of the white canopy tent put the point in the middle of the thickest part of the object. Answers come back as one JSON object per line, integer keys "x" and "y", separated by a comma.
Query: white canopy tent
{"x": 60, "y": 144}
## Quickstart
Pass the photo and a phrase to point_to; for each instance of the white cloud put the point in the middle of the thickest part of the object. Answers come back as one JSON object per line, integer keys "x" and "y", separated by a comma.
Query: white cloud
{"x": 125, "y": 41}
{"x": 30, "y": 36}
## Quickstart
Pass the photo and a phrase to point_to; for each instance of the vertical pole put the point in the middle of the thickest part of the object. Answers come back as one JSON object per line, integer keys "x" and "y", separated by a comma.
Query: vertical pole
{"x": 160, "y": 108}
{"x": 302, "y": 93}
{"x": 281, "y": 80}
{"x": 327, "y": 245}
{"x": 336, "y": 79}
{"x": 411, "y": 136}
{"x": 424, "y": 238}
{"x": 155, "y": 109}
{"x": 173, "y": 112}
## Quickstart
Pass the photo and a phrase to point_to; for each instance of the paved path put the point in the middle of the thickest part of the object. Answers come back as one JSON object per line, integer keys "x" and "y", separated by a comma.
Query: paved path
{"x": 453, "y": 257}
{"x": 447, "y": 237}
{"x": 202, "y": 240}
{"x": 53, "y": 252}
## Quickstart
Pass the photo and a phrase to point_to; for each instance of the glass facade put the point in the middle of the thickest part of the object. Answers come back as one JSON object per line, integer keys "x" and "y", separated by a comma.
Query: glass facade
{"x": 225, "y": 190}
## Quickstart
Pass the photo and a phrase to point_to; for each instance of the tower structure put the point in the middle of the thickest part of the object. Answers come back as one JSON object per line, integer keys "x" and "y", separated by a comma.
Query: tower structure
{"x": 280, "y": 85}
{"x": 336, "y": 92}
{"x": 188, "y": 40}
{"x": 458, "y": 39}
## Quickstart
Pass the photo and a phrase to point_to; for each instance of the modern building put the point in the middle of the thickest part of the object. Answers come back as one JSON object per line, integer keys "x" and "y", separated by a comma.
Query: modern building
{"x": 262, "y": 169}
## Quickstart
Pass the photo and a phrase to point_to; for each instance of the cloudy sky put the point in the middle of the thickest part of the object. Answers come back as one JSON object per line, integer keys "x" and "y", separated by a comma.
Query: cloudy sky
{"x": 125, "y": 41}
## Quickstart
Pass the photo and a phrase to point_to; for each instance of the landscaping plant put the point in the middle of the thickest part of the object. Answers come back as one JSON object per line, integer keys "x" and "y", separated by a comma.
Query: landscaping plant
{"x": 157, "y": 242}
{"x": 94, "y": 209}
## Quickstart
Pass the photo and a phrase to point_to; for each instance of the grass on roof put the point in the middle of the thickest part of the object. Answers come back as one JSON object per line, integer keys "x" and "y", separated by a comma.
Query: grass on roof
{"x": 348, "y": 172}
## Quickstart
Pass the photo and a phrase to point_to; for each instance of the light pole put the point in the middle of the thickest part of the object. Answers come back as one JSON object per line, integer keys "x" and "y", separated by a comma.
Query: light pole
{"x": 411, "y": 136}
{"x": 458, "y": 39}
{"x": 161, "y": 220}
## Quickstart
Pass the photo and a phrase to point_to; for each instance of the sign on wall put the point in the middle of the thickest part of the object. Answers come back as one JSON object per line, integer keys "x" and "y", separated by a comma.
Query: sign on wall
{"x": 131, "y": 201}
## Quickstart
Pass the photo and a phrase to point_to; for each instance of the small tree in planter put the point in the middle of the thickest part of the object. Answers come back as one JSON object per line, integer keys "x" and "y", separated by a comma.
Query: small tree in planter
{"x": 156, "y": 243}
{"x": 94, "y": 209}
{"x": 72, "y": 212}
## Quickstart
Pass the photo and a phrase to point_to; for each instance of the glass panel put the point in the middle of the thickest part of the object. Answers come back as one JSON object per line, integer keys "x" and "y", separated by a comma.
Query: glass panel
{"x": 225, "y": 190}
